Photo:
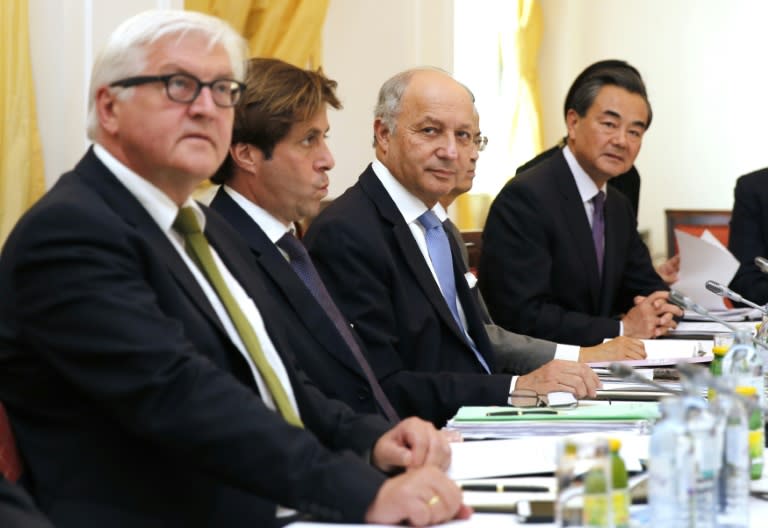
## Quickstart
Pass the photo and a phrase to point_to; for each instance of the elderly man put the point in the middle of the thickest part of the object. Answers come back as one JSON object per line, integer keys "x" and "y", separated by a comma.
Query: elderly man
{"x": 385, "y": 258}
{"x": 562, "y": 258}
{"x": 139, "y": 360}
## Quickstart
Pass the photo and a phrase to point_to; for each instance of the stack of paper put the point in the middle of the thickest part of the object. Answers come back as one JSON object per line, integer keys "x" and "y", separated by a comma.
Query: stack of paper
{"x": 703, "y": 259}
{"x": 512, "y": 422}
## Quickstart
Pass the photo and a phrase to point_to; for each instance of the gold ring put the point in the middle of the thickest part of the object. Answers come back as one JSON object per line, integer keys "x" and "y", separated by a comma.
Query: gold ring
{"x": 434, "y": 500}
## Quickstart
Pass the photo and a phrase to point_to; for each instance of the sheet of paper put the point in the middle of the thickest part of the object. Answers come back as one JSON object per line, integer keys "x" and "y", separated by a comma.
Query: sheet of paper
{"x": 703, "y": 259}
{"x": 494, "y": 458}
{"x": 669, "y": 352}
{"x": 707, "y": 327}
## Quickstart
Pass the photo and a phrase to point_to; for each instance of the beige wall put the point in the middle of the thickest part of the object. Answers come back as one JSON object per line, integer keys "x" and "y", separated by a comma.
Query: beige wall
{"x": 365, "y": 43}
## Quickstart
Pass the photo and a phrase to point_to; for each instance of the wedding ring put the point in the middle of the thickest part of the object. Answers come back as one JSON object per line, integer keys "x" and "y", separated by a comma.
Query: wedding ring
{"x": 434, "y": 500}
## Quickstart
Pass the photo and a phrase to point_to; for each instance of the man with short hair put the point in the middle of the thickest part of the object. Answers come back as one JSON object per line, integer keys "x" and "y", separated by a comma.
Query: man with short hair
{"x": 562, "y": 258}
{"x": 515, "y": 352}
{"x": 385, "y": 258}
{"x": 140, "y": 364}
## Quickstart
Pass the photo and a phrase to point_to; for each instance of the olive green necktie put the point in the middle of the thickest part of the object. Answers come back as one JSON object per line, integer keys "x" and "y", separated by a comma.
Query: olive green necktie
{"x": 198, "y": 249}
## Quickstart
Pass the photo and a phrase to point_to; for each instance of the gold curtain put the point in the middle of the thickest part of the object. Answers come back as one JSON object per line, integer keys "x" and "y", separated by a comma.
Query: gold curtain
{"x": 471, "y": 209}
{"x": 21, "y": 155}
{"x": 291, "y": 30}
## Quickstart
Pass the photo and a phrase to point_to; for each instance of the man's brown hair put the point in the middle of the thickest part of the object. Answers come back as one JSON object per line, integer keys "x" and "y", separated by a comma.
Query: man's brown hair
{"x": 277, "y": 95}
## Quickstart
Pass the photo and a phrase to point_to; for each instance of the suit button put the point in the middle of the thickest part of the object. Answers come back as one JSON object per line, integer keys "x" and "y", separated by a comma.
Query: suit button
{"x": 351, "y": 325}
{"x": 363, "y": 394}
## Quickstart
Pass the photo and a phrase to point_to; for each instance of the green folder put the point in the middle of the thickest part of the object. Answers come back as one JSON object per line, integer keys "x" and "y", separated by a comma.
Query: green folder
{"x": 624, "y": 411}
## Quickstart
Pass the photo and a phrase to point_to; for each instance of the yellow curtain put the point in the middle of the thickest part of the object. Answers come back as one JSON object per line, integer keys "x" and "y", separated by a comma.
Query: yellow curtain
{"x": 471, "y": 209}
{"x": 291, "y": 30}
{"x": 21, "y": 155}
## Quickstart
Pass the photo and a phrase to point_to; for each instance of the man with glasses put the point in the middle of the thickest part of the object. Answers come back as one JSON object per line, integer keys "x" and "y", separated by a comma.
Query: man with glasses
{"x": 383, "y": 254}
{"x": 140, "y": 364}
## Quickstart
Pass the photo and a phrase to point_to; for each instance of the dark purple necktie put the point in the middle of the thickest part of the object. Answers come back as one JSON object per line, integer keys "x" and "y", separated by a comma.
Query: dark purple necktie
{"x": 598, "y": 229}
{"x": 302, "y": 265}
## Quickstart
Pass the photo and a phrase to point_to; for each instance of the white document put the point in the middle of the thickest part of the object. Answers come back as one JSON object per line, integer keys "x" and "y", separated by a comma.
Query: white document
{"x": 668, "y": 352}
{"x": 703, "y": 259}
{"x": 493, "y": 458}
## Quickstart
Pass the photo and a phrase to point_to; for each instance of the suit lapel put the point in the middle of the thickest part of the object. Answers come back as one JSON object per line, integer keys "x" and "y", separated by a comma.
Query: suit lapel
{"x": 273, "y": 265}
{"x": 411, "y": 252}
{"x": 578, "y": 225}
{"x": 125, "y": 204}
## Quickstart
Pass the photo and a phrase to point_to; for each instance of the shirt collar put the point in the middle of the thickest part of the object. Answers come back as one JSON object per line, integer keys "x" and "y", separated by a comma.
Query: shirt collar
{"x": 272, "y": 227}
{"x": 409, "y": 206}
{"x": 585, "y": 184}
{"x": 440, "y": 211}
{"x": 160, "y": 207}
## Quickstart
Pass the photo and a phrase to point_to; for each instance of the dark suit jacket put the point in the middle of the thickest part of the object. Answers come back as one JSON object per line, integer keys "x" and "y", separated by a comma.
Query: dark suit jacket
{"x": 628, "y": 183}
{"x": 538, "y": 271}
{"x": 372, "y": 266}
{"x": 321, "y": 351}
{"x": 17, "y": 509}
{"x": 748, "y": 235}
{"x": 131, "y": 406}
{"x": 515, "y": 353}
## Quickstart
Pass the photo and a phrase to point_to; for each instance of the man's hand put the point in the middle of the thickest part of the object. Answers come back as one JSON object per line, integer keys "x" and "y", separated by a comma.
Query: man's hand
{"x": 419, "y": 497}
{"x": 616, "y": 349}
{"x": 412, "y": 443}
{"x": 561, "y": 376}
{"x": 652, "y": 316}
{"x": 669, "y": 269}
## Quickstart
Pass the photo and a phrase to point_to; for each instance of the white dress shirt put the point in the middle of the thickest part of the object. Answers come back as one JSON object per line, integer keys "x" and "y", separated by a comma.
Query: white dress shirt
{"x": 587, "y": 190}
{"x": 163, "y": 211}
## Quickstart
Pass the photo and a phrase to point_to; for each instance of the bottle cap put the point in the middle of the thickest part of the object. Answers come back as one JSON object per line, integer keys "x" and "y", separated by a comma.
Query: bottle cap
{"x": 615, "y": 444}
{"x": 746, "y": 390}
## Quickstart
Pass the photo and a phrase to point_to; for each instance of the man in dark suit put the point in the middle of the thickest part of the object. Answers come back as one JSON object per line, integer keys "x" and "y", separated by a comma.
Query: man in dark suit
{"x": 276, "y": 176}
{"x": 562, "y": 258}
{"x": 748, "y": 234}
{"x": 627, "y": 183}
{"x": 372, "y": 252}
{"x": 508, "y": 345}
{"x": 139, "y": 356}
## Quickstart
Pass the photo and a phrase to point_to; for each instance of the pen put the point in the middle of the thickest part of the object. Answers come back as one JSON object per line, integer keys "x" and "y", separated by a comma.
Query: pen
{"x": 502, "y": 488}
{"x": 521, "y": 412}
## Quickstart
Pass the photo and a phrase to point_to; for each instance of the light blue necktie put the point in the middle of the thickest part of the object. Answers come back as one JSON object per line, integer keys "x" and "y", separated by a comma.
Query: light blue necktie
{"x": 440, "y": 254}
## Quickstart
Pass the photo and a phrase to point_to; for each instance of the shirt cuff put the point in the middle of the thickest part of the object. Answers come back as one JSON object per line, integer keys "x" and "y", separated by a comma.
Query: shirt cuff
{"x": 569, "y": 352}
{"x": 512, "y": 388}
{"x": 621, "y": 328}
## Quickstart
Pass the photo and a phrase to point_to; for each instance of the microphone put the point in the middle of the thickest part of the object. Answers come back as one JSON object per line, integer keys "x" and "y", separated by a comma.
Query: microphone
{"x": 620, "y": 370}
{"x": 762, "y": 264}
{"x": 722, "y": 291}
{"x": 686, "y": 303}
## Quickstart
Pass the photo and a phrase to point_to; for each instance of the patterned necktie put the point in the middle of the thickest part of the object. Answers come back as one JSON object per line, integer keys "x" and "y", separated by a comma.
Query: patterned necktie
{"x": 439, "y": 251}
{"x": 598, "y": 229}
{"x": 198, "y": 249}
{"x": 305, "y": 269}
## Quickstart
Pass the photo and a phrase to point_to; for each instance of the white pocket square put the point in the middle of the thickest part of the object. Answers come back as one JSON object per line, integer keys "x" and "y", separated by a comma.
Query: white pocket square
{"x": 471, "y": 279}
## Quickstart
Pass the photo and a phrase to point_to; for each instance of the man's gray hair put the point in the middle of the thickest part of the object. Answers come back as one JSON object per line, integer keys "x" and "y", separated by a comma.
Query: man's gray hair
{"x": 390, "y": 99}
{"x": 125, "y": 53}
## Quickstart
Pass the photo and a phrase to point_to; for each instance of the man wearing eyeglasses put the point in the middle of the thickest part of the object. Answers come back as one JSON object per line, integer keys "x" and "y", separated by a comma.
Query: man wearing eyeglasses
{"x": 140, "y": 365}
{"x": 384, "y": 256}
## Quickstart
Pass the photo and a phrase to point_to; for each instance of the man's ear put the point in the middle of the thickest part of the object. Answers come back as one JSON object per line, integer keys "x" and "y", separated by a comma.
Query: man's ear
{"x": 247, "y": 157}
{"x": 382, "y": 134}
{"x": 107, "y": 111}
{"x": 572, "y": 119}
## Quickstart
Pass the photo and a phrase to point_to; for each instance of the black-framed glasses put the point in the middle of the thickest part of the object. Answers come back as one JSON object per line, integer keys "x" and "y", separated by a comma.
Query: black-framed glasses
{"x": 184, "y": 88}
{"x": 527, "y": 399}
{"x": 481, "y": 142}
